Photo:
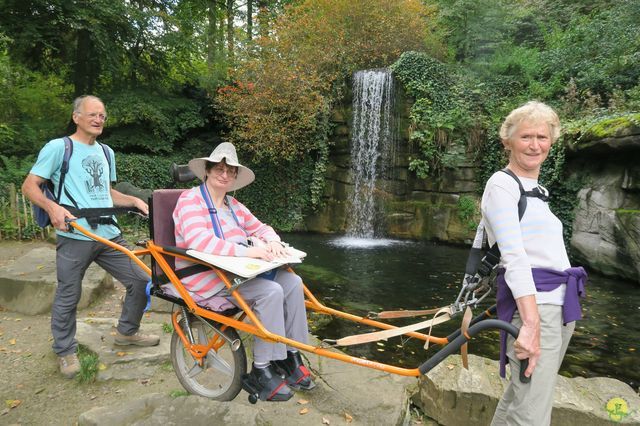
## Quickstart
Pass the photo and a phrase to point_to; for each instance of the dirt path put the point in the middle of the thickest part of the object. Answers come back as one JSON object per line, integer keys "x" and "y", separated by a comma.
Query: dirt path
{"x": 32, "y": 392}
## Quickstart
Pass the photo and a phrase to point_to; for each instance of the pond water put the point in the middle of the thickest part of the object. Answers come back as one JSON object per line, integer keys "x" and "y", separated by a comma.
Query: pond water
{"x": 359, "y": 276}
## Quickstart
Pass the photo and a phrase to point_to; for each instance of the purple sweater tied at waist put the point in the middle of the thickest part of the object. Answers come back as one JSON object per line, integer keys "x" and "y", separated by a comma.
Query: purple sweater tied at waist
{"x": 545, "y": 280}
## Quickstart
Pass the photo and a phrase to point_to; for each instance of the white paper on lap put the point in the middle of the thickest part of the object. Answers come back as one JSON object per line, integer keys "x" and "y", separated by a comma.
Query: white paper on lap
{"x": 247, "y": 267}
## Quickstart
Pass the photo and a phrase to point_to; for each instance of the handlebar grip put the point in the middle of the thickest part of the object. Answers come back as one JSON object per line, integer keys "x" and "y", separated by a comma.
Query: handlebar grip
{"x": 524, "y": 364}
{"x": 459, "y": 340}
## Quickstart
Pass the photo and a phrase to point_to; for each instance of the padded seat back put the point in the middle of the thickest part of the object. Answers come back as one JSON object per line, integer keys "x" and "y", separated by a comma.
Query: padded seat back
{"x": 163, "y": 202}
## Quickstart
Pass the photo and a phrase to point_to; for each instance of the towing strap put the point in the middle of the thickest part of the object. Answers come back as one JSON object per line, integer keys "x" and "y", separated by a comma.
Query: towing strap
{"x": 443, "y": 314}
{"x": 402, "y": 314}
{"x": 466, "y": 320}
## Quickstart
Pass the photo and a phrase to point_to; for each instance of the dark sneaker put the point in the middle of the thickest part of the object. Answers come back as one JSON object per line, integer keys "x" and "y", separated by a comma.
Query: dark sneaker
{"x": 269, "y": 385}
{"x": 69, "y": 365}
{"x": 295, "y": 372}
{"x": 137, "y": 339}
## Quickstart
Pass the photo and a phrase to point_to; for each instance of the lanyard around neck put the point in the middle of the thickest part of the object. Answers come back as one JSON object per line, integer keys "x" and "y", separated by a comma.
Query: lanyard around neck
{"x": 217, "y": 227}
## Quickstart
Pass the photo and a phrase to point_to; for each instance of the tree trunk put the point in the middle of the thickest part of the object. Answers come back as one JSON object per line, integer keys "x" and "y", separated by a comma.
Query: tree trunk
{"x": 81, "y": 67}
{"x": 230, "y": 36}
{"x": 249, "y": 19}
{"x": 212, "y": 45}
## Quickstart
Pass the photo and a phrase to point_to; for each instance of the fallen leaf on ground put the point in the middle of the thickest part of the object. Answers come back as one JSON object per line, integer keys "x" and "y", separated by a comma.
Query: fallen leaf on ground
{"x": 121, "y": 353}
{"x": 348, "y": 417}
{"x": 303, "y": 401}
{"x": 12, "y": 341}
{"x": 39, "y": 391}
{"x": 13, "y": 403}
{"x": 102, "y": 367}
{"x": 451, "y": 366}
{"x": 325, "y": 421}
{"x": 304, "y": 411}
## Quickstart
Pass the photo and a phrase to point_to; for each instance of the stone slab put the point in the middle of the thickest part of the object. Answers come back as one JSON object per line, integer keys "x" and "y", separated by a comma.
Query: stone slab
{"x": 345, "y": 393}
{"x": 452, "y": 395}
{"x": 123, "y": 362}
{"x": 28, "y": 284}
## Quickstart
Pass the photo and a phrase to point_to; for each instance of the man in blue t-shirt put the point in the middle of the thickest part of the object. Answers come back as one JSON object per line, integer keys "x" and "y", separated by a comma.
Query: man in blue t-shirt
{"x": 86, "y": 185}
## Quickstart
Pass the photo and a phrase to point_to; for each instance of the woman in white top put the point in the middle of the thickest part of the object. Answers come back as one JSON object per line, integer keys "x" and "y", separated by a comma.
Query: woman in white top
{"x": 536, "y": 279}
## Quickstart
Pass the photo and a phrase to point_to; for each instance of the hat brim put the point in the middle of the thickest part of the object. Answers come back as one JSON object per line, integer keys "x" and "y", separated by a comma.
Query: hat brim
{"x": 245, "y": 175}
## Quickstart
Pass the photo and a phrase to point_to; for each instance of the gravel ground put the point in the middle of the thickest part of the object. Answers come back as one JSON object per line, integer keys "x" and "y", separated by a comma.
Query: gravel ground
{"x": 32, "y": 392}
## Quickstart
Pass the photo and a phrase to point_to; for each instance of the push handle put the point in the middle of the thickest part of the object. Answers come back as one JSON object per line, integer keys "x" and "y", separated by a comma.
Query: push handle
{"x": 454, "y": 345}
{"x": 524, "y": 364}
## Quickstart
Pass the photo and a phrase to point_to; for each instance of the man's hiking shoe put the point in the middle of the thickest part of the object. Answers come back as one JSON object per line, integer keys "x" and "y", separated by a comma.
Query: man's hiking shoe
{"x": 295, "y": 372}
{"x": 268, "y": 384}
{"x": 69, "y": 365}
{"x": 137, "y": 339}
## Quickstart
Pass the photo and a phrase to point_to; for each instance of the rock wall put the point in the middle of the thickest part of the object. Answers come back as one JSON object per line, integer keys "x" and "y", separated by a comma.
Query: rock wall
{"x": 413, "y": 208}
{"x": 606, "y": 231}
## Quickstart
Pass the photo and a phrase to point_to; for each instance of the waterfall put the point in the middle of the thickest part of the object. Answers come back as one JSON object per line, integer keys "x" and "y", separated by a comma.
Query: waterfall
{"x": 373, "y": 142}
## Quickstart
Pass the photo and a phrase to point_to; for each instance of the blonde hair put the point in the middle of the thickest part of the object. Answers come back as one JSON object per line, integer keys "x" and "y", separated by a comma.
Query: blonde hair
{"x": 533, "y": 112}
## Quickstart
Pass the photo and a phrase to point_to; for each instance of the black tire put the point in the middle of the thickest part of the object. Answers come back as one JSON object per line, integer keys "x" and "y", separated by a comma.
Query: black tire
{"x": 221, "y": 376}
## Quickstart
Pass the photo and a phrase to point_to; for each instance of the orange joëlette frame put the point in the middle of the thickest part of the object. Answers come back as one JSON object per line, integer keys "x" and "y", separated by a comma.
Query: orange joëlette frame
{"x": 255, "y": 327}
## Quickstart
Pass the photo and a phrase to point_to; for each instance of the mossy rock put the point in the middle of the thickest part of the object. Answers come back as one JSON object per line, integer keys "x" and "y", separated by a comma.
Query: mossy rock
{"x": 615, "y": 127}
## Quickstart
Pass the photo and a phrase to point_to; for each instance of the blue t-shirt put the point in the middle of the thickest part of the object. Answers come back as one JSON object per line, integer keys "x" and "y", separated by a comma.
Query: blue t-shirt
{"x": 87, "y": 180}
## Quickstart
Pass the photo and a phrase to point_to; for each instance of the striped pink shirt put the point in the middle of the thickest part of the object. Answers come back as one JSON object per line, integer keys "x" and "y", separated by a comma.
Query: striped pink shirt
{"x": 194, "y": 230}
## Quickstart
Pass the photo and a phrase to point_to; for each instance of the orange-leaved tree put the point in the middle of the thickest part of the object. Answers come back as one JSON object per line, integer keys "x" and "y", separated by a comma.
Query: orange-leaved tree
{"x": 278, "y": 105}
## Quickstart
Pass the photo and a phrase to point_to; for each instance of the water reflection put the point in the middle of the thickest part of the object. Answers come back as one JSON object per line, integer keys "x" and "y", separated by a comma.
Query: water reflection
{"x": 360, "y": 277}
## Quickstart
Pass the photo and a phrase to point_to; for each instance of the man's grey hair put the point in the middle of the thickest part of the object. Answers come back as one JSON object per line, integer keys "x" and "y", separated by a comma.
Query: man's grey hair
{"x": 77, "y": 103}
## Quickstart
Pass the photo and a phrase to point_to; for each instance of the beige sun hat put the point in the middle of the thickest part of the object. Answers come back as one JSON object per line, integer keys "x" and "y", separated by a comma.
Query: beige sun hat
{"x": 225, "y": 151}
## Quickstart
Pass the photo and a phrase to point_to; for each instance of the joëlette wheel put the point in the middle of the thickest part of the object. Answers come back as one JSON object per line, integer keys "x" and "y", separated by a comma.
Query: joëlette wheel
{"x": 220, "y": 375}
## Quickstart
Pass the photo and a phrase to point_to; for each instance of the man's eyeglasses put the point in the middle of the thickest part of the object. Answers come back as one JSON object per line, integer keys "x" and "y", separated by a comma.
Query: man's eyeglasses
{"x": 219, "y": 170}
{"x": 94, "y": 115}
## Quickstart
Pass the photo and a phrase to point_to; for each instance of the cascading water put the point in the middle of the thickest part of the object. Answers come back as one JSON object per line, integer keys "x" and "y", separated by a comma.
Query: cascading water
{"x": 373, "y": 144}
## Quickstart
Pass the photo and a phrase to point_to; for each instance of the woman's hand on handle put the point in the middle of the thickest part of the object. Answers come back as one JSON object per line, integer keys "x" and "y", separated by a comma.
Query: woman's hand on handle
{"x": 527, "y": 345}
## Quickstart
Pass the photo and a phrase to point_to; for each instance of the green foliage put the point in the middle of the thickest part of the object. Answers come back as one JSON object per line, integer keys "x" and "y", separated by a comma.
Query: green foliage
{"x": 88, "y": 365}
{"x": 32, "y": 106}
{"x": 444, "y": 115}
{"x": 145, "y": 171}
{"x": 468, "y": 212}
{"x": 151, "y": 122}
{"x": 599, "y": 51}
{"x": 281, "y": 195}
{"x": 178, "y": 393}
{"x": 167, "y": 328}
{"x": 563, "y": 200}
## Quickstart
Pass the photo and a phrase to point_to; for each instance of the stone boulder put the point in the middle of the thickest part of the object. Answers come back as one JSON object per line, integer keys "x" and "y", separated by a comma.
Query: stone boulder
{"x": 28, "y": 283}
{"x": 451, "y": 395}
{"x": 606, "y": 228}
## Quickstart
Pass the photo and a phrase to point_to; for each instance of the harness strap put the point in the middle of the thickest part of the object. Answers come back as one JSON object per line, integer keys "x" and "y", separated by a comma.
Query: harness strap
{"x": 100, "y": 215}
{"x": 402, "y": 314}
{"x": 356, "y": 339}
{"x": 466, "y": 320}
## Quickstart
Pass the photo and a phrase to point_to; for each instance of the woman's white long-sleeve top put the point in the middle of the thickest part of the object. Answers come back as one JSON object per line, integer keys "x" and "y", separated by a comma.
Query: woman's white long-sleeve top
{"x": 536, "y": 241}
